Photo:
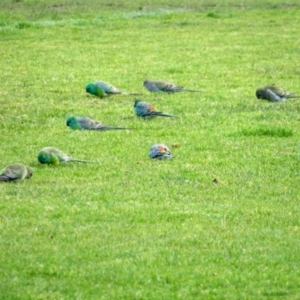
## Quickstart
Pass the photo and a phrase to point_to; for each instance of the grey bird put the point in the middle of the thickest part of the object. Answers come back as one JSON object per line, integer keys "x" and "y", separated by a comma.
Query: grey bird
{"x": 85, "y": 123}
{"x": 15, "y": 172}
{"x": 147, "y": 110}
{"x": 160, "y": 151}
{"x": 273, "y": 93}
{"x": 155, "y": 86}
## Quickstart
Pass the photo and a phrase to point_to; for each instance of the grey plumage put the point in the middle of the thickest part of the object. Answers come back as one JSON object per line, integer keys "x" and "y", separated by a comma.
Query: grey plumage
{"x": 160, "y": 151}
{"x": 15, "y": 172}
{"x": 156, "y": 86}
{"x": 85, "y": 123}
{"x": 274, "y": 93}
{"x": 147, "y": 110}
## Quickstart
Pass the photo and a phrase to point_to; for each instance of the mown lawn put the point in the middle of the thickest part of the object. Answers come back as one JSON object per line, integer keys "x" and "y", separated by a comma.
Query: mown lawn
{"x": 220, "y": 220}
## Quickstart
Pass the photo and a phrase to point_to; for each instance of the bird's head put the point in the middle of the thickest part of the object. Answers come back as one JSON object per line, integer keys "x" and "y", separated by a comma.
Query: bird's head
{"x": 146, "y": 82}
{"x": 259, "y": 93}
{"x": 136, "y": 102}
{"x": 71, "y": 122}
{"x": 91, "y": 88}
{"x": 29, "y": 172}
{"x": 45, "y": 158}
{"x": 162, "y": 149}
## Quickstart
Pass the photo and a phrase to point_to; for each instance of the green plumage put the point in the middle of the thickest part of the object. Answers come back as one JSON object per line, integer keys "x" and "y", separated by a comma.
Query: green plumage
{"x": 54, "y": 156}
{"x": 103, "y": 89}
{"x": 15, "y": 172}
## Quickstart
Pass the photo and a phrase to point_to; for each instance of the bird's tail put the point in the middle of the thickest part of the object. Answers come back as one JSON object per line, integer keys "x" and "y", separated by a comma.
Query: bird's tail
{"x": 163, "y": 156}
{"x": 292, "y": 96}
{"x": 194, "y": 91}
{"x": 111, "y": 128}
{"x": 4, "y": 177}
{"x": 161, "y": 114}
{"x": 81, "y": 160}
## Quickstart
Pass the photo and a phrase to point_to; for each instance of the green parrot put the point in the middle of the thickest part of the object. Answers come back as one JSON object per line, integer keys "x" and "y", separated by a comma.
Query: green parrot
{"x": 103, "y": 89}
{"x": 15, "y": 172}
{"x": 273, "y": 93}
{"x": 85, "y": 123}
{"x": 164, "y": 86}
{"x": 52, "y": 155}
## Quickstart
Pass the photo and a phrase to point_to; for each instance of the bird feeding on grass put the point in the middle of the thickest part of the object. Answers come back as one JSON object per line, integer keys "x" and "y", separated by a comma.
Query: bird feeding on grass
{"x": 274, "y": 93}
{"x": 54, "y": 156}
{"x": 85, "y": 123}
{"x": 15, "y": 172}
{"x": 147, "y": 110}
{"x": 103, "y": 89}
{"x": 155, "y": 86}
{"x": 160, "y": 151}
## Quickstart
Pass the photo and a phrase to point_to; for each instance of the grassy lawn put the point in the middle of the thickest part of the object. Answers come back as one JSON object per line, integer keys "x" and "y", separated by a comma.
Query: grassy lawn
{"x": 129, "y": 227}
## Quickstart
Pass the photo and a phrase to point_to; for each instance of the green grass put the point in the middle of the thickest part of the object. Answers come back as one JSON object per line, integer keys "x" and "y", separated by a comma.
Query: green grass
{"x": 129, "y": 227}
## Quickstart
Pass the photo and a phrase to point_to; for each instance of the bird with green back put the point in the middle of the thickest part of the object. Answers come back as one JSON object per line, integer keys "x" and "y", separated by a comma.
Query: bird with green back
{"x": 103, "y": 89}
{"x": 54, "y": 156}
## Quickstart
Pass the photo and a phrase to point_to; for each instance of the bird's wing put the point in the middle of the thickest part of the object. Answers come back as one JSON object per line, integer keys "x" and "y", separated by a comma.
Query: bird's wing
{"x": 154, "y": 152}
{"x": 150, "y": 86}
{"x": 86, "y": 123}
{"x": 273, "y": 96}
{"x": 5, "y": 177}
{"x": 108, "y": 88}
{"x": 144, "y": 108}
{"x": 168, "y": 86}
{"x": 59, "y": 154}
{"x": 11, "y": 173}
{"x": 277, "y": 90}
